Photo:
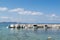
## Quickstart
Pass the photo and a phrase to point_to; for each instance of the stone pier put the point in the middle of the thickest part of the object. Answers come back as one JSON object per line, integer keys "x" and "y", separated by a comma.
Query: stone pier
{"x": 36, "y": 25}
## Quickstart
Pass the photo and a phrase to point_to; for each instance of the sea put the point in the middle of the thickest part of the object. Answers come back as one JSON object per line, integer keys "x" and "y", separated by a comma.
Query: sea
{"x": 27, "y": 34}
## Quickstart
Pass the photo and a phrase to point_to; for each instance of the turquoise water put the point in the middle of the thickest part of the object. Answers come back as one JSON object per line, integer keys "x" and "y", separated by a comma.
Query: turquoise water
{"x": 27, "y": 34}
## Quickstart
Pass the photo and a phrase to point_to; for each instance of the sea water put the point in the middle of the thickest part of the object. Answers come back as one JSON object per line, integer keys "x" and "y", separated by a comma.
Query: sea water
{"x": 28, "y": 34}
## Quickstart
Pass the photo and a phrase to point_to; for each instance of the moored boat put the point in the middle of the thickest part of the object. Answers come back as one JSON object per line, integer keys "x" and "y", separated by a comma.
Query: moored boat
{"x": 12, "y": 26}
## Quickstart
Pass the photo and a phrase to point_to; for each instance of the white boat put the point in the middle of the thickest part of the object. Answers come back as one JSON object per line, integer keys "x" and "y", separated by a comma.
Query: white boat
{"x": 12, "y": 26}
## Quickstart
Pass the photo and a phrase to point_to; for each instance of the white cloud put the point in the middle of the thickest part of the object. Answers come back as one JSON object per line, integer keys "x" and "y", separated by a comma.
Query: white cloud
{"x": 16, "y": 10}
{"x": 25, "y": 12}
{"x": 37, "y": 13}
{"x": 45, "y": 17}
{"x": 53, "y": 15}
{"x": 22, "y": 11}
{"x": 3, "y": 8}
{"x": 4, "y": 17}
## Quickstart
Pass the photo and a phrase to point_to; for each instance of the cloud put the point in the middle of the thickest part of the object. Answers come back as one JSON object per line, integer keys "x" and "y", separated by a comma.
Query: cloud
{"x": 52, "y": 17}
{"x": 40, "y": 16}
{"x": 4, "y": 17}
{"x": 37, "y": 13}
{"x": 32, "y": 16}
{"x": 25, "y": 12}
{"x": 3, "y": 8}
{"x": 17, "y": 10}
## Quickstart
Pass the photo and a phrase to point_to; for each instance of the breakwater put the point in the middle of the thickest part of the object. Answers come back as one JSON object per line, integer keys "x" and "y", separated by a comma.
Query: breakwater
{"x": 57, "y": 26}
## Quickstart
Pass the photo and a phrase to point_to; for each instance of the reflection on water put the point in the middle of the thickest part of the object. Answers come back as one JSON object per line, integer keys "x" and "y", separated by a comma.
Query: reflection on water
{"x": 29, "y": 34}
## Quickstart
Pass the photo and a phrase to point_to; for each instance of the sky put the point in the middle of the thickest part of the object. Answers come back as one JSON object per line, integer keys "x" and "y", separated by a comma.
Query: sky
{"x": 30, "y": 11}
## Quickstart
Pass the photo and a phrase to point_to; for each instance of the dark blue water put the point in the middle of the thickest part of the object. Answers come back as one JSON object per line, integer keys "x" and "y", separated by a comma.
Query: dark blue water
{"x": 27, "y": 34}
